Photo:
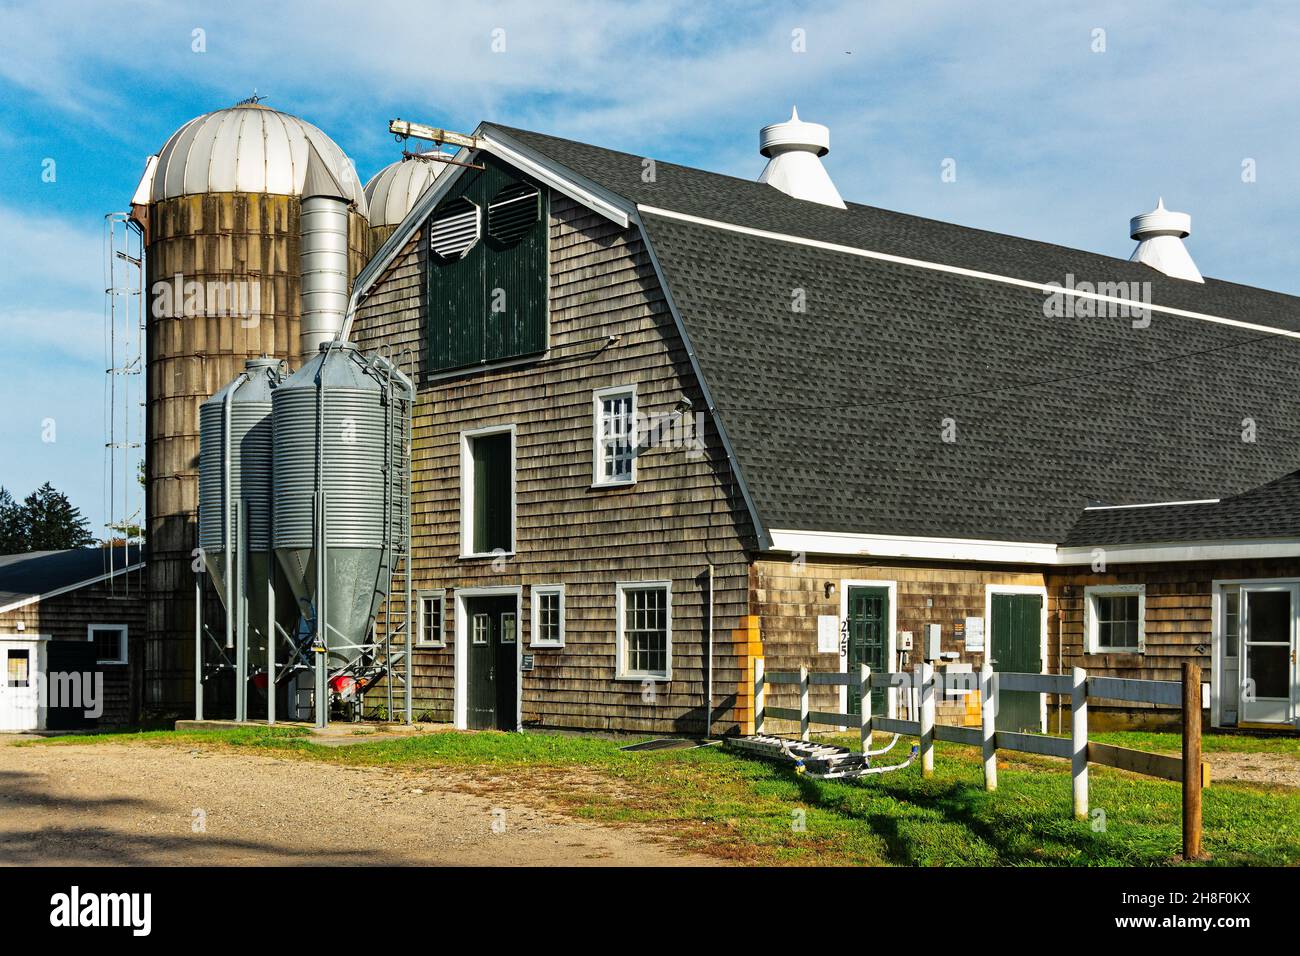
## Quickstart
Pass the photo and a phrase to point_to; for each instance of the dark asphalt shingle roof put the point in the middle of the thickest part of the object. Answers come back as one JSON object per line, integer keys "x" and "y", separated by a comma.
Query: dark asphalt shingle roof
{"x": 35, "y": 573}
{"x": 837, "y": 413}
{"x": 1269, "y": 511}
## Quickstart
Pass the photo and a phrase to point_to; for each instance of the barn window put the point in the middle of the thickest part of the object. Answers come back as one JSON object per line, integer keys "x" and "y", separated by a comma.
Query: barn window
{"x": 614, "y": 436}
{"x": 430, "y": 629}
{"x": 109, "y": 641}
{"x": 454, "y": 230}
{"x": 513, "y": 212}
{"x": 1114, "y": 618}
{"x": 487, "y": 492}
{"x": 645, "y": 631}
{"x": 548, "y": 615}
{"x": 19, "y": 664}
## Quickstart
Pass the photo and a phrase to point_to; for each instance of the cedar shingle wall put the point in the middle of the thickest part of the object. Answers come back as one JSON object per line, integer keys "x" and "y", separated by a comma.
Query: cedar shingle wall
{"x": 67, "y": 617}
{"x": 682, "y": 512}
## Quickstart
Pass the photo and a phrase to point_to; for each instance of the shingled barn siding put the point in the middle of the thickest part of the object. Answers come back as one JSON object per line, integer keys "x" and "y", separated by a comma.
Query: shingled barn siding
{"x": 788, "y": 599}
{"x": 683, "y": 511}
{"x": 66, "y": 617}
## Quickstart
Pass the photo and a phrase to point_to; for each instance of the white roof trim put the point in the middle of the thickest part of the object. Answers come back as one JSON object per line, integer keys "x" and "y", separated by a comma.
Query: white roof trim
{"x": 36, "y": 598}
{"x": 1154, "y": 504}
{"x": 1019, "y": 552}
{"x": 970, "y": 273}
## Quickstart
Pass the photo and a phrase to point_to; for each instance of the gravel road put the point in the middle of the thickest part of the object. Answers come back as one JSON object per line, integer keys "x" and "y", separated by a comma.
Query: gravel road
{"x": 109, "y": 804}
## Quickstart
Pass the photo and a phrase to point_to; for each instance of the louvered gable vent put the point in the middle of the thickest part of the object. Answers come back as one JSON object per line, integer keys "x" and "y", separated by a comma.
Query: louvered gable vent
{"x": 512, "y": 212}
{"x": 454, "y": 230}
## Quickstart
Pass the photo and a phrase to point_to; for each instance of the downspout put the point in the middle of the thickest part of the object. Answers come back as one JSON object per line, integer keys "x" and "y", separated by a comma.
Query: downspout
{"x": 708, "y": 661}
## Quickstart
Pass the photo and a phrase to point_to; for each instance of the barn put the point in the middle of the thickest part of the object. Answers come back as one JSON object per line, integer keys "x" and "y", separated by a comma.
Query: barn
{"x": 669, "y": 421}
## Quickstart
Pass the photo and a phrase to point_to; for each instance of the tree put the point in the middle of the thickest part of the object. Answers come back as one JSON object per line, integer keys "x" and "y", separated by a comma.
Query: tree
{"x": 53, "y": 523}
{"x": 13, "y": 524}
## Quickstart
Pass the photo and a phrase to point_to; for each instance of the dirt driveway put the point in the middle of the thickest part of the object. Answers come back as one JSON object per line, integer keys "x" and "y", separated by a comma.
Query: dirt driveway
{"x": 110, "y": 804}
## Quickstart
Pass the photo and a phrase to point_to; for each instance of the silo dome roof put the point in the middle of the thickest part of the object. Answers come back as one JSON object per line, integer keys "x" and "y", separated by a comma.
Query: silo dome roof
{"x": 393, "y": 190}
{"x": 253, "y": 149}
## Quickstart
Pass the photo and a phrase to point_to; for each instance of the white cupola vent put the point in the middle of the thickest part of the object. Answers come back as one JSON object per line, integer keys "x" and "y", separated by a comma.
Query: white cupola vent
{"x": 794, "y": 150}
{"x": 1160, "y": 234}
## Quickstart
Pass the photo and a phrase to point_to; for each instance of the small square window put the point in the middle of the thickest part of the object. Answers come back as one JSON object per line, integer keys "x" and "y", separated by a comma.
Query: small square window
{"x": 548, "y": 615}
{"x": 508, "y": 628}
{"x": 479, "y": 634}
{"x": 1115, "y": 618}
{"x": 109, "y": 641}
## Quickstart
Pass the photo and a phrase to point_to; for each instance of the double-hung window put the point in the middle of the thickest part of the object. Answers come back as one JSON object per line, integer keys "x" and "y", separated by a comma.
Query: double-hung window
{"x": 1114, "y": 618}
{"x": 614, "y": 436}
{"x": 429, "y": 627}
{"x": 548, "y": 615}
{"x": 645, "y": 630}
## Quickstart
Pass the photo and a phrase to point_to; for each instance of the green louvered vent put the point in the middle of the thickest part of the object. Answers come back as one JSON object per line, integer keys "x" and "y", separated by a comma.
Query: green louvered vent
{"x": 454, "y": 229}
{"x": 488, "y": 299}
{"x": 513, "y": 212}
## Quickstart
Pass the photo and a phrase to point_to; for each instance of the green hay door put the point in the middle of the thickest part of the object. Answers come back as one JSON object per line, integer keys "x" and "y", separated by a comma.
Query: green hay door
{"x": 1016, "y": 646}
{"x": 868, "y": 623}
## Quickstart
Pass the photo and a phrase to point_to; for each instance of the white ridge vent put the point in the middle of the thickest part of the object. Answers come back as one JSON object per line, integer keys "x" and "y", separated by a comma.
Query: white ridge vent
{"x": 794, "y": 150}
{"x": 1160, "y": 234}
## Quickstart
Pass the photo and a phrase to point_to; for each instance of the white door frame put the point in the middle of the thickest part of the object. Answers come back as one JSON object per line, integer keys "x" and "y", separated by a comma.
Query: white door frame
{"x": 35, "y": 645}
{"x": 1217, "y": 587}
{"x": 1041, "y": 590}
{"x": 1243, "y": 660}
{"x": 460, "y": 699}
{"x": 891, "y": 647}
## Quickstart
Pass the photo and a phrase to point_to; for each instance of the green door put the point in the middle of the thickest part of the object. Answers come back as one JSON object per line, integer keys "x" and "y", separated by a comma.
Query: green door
{"x": 1016, "y": 646}
{"x": 868, "y": 625}
{"x": 491, "y": 634}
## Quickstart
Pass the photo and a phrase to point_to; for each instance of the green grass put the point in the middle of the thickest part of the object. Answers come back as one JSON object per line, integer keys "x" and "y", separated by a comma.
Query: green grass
{"x": 717, "y": 802}
{"x": 1210, "y": 743}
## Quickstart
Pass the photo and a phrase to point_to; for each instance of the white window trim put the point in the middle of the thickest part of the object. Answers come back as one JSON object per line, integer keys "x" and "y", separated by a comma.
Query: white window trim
{"x": 620, "y": 608}
{"x": 467, "y": 490}
{"x": 1090, "y": 628}
{"x": 122, "y": 656}
{"x": 420, "y": 597}
{"x": 537, "y": 591}
{"x": 598, "y": 396}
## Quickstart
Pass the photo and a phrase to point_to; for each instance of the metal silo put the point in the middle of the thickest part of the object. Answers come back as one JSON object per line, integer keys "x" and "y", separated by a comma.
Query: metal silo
{"x": 392, "y": 191}
{"x": 225, "y": 206}
{"x": 341, "y": 427}
{"x": 235, "y": 461}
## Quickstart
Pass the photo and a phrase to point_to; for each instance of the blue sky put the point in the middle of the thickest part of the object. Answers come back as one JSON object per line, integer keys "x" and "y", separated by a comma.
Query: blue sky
{"x": 1052, "y": 137}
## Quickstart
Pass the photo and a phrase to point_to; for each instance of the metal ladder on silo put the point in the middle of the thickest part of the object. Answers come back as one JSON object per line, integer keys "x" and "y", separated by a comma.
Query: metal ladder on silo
{"x": 398, "y": 528}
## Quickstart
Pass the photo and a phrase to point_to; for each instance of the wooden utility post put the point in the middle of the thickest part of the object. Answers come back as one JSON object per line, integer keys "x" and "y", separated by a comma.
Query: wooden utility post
{"x": 1191, "y": 761}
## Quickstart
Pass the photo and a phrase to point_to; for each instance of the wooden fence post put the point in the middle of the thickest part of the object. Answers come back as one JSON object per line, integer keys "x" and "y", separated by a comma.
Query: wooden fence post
{"x": 760, "y": 696}
{"x": 1079, "y": 741}
{"x": 927, "y": 719}
{"x": 1191, "y": 761}
{"x": 805, "y": 723}
{"x": 988, "y": 723}
{"x": 864, "y": 705}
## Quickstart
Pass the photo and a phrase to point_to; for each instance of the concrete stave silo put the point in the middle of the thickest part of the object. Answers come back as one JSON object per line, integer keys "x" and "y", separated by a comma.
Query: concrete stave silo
{"x": 392, "y": 192}
{"x": 222, "y": 209}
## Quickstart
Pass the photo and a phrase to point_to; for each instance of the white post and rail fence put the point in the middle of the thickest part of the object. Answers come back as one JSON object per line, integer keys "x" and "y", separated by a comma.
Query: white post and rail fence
{"x": 1077, "y": 686}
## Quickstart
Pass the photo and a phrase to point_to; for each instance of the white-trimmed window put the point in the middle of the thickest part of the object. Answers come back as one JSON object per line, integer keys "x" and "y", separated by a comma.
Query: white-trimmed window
{"x": 487, "y": 492}
{"x": 109, "y": 641}
{"x": 548, "y": 615}
{"x": 645, "y": 630}
{"x": 614, "y": 435}
{"x": 431, "y": 619}
{"x": 1115, "y": 618}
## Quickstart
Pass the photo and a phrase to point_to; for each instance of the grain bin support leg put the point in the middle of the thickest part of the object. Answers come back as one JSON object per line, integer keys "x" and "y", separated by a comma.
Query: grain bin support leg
{"x": 988, "y": 725}
{"x": 270, "y": 639}
{"x": 1079, "y": 740}
{"x": 240, "y": 610}
{"x": 198, "y": 643}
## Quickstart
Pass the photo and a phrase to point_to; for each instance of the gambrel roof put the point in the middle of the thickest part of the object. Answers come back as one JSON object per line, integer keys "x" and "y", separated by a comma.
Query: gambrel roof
{"x": 875, "y": 373}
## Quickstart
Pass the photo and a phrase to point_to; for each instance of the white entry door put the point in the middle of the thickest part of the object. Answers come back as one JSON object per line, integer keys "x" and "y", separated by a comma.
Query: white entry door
{"x": 19, "y": 708}
{"x": 1268, "y": 647}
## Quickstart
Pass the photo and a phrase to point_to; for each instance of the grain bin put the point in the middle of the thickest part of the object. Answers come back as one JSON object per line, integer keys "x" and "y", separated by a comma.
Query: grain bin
{"x": 225, "y": 207}
{"x": 235, "y": 460}
{"x": 341, "y": 492}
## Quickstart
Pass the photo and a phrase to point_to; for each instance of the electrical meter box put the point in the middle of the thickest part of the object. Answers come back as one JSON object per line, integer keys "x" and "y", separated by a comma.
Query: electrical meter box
{"x": 931, "y": 636}
{"x": 904, "y": 640}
